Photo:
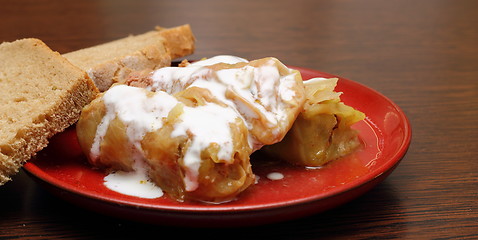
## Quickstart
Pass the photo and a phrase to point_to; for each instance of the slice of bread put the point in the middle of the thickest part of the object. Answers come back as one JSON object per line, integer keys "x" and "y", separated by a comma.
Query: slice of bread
{"x": 42, "y": 94}
{"x": 112, "y": 62}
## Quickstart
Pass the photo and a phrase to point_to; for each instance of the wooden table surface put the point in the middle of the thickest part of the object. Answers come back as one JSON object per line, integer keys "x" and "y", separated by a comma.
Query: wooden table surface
{"x": 423, "y": 55}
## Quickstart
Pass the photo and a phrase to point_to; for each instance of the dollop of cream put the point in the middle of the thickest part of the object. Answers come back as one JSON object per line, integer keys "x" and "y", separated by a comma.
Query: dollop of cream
{"x": 275, "y": 176}
{"x": 134, "y": 183}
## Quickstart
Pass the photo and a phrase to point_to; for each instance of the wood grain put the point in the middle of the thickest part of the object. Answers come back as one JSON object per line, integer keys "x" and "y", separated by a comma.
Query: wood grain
{"x": 421, "y": 54}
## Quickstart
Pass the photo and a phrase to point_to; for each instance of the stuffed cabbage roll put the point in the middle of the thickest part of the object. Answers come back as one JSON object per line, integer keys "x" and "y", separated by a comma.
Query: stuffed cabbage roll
{"x": 266, "y": 93}
{"x": 322, "y": 132}
{"x": 190, "y": 144}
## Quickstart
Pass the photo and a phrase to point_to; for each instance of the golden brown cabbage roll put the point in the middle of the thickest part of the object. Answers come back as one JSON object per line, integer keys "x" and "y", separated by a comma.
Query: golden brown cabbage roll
{"x": 192, "y": 145}
{"x": 322, "y": 132}
{"x": 266, "y": 93}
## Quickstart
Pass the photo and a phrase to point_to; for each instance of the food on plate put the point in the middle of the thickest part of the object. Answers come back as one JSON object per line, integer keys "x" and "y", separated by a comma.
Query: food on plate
{"x": 194, "y": 127}
{"x": 322, "y": 132}
{"x": 192, "y": 145}
{"x": 49, "y": 93}
{"x": 112, "y": 62}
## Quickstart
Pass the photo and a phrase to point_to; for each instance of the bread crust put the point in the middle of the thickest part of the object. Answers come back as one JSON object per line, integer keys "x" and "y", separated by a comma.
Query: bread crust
{"x": 180, "y": 40}
{"x": 63, "y": 91}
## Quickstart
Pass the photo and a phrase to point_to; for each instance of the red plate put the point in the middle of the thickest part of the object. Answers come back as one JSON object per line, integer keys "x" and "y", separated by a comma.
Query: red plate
{"x": 386, "y": 134}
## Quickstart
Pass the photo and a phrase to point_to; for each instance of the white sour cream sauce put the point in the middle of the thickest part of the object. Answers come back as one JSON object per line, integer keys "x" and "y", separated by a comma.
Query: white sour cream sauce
{"x": 140, "y": 114}
{"x": 134, "y": 183}
{"x": 208, "y": 124}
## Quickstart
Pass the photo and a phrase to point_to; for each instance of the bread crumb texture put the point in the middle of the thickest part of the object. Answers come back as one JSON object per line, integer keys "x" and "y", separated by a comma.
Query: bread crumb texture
{"x": 42, "y": 94}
